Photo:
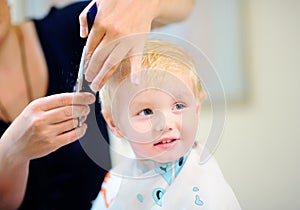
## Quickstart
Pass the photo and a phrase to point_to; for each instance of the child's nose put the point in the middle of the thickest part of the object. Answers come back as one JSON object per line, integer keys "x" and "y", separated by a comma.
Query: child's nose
{"x": 165, "y": 122}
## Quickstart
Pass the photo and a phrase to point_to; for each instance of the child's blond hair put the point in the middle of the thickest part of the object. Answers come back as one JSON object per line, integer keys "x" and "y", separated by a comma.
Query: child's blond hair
{"x": 158, "y": 55}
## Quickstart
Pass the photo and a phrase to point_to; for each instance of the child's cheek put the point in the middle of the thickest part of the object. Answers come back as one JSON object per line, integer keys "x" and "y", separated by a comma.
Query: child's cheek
{"x": 138, "y": 131}
{"x": 141, "y": 126}
{"x": 189, "y": 124}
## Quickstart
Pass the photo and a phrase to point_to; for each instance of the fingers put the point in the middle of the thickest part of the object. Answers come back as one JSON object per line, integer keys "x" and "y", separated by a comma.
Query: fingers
{"x": 112, "y": 55}
{"x": 65, "y": 126}
{"x": 110, "y": 65}
{"x": 95, "y": 37}
{"x": 84, "y": 30}
{"x": 98, "y": 31}
{"x": 114, "y": 21}
{"x": 136, "y": 54}
{"x": 63, "y": 99}
{"x": 89, "y": 14}
{"x": 70, "y": 136}
{"x": 136, "y": 62}
{"x": 61, "y": 119}
{"x": 51, "y": 136}
{"x": 48, "y": 123}
{"x": 97, "y": 60}
{"x": 62, "y": 114}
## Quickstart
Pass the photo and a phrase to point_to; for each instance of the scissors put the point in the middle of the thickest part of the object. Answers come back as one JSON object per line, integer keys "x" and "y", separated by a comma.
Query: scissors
{"x": 91, "y": 14}
{"x": 79, "y": 81}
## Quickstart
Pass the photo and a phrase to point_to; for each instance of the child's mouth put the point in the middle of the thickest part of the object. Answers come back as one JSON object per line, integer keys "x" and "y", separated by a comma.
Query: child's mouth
{"x": 166, "y": 143}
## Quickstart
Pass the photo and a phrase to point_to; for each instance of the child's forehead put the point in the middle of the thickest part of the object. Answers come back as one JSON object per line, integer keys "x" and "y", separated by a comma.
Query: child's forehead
{"x": 178, "y": 86}
{"x": 156, "y": 77}
{"x": 155, "y": 74}
{"x": 158, "y": 95}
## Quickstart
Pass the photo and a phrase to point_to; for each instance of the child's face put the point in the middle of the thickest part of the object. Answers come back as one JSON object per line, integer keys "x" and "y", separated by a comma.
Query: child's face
{"x": 161, "y": 120}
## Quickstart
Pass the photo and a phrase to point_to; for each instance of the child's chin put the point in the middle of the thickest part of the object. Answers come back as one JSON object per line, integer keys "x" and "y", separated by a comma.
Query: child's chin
{"x": 168, "y": 157}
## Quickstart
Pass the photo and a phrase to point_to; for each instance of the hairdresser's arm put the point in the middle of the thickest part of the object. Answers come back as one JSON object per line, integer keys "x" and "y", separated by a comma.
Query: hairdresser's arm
{"x": 45, "y": 125}
{"x": 122, "y": 18}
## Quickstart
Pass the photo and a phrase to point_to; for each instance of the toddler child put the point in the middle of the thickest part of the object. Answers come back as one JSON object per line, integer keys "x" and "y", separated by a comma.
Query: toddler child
{"x": 159, "y": 118}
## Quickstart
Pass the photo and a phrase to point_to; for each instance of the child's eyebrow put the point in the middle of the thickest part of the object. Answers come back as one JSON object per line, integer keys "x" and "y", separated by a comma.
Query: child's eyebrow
{"x": 183, "y": 95}
{"x": 140, "y": 104}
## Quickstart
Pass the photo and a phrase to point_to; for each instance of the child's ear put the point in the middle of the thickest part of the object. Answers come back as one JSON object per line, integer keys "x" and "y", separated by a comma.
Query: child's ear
{"x": 200, "y": 100}
{"x": 112, "y": 126}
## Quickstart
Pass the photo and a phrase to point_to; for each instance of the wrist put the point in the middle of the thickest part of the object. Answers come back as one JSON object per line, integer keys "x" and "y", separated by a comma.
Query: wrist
{"x": 13, "y": 178}
{"x": 161, "y": 12}
{"x": 157, "y": 8}
{"x": 10, "y": 159}
{"x": 171, "y": 11}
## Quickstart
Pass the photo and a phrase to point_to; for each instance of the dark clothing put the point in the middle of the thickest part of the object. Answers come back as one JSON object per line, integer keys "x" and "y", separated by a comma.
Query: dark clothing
{"x": 66, "y": 178}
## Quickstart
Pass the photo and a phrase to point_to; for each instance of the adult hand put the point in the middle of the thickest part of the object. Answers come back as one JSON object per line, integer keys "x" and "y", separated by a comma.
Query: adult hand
{"x": 115, "y": 20}
{"x": 47, "y": 124}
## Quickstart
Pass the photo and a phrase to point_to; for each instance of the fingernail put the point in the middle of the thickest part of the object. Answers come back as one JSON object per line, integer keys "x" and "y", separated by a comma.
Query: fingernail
{"x": 83, "y": 32}
{"x": 94, "y": 87}
{"x": 88, "y": 78}
{"x": 92, "y": 98}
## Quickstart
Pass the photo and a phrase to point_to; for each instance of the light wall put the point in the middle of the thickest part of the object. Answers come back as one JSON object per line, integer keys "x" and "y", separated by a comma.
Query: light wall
{"x": 259, "y": 151}
{"x": 34, "y": 8}
{"x": 17, "y": 10}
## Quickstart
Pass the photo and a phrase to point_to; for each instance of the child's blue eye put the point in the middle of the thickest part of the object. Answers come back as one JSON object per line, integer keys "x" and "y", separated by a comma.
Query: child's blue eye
{"x": 145, "y": 112}
{"x": 178, "y": 106}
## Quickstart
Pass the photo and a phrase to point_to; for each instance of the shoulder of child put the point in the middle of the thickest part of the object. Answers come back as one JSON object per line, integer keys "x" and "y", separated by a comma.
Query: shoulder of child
{"x": 213, "y": 187}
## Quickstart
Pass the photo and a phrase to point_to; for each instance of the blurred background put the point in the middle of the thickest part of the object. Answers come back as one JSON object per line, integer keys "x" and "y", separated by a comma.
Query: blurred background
{"x": 255, "y": 47}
